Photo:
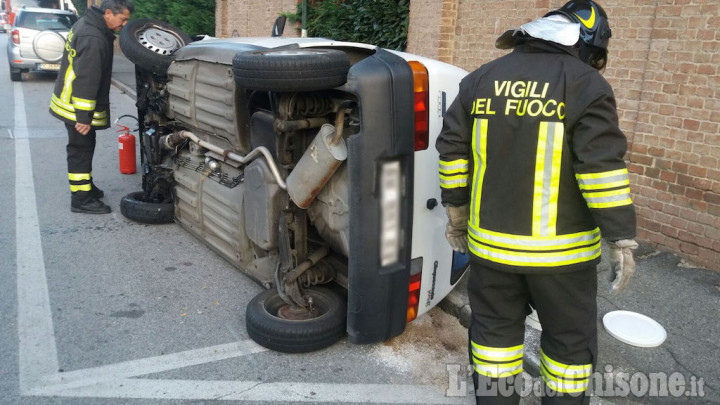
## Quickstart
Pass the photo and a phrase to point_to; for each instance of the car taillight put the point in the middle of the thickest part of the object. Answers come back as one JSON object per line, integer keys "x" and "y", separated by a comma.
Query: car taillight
{"x": 422, "y": 113}
{"x": 16, "y": 37}
{"x": 414, "y": 288}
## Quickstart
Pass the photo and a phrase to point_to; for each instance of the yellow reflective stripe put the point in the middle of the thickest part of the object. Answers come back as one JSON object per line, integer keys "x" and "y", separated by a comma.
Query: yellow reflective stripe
{"x": 61, "y": 112}
{"x": 600, "y": 186}
{"x": 607, "y": 199}
{"x": 61, "y": 103}
{"x": 522, "y": 242}
{"x": 557, "y": 146}
{"x": 494, "y": 370}
{"x": 83, "y": 104}
{"x": 547, "y": 178}
{"x": 538, "y": 184}
{"x": 100, "y": 114}
{"x": 453, "y": 181}
{"x": 565, "y": 385}
{"x": 535, "y": 259}
{"x": 455, "y": 166}
{"x": 497, "y": 353}
{"x": 565, "y": 370}
{"x": 601, "y": 175}
{"x": 67, "y": 84}
{"x": 79, "y": 176}
{"x": 480, "y": 155}
{"x": 81, "y": 187}
{"x": 603, "y": 180}
{"x": 98, "y": 123}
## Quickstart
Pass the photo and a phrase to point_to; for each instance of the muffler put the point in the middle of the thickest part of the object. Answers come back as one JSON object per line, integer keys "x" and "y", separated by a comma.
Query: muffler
{"x": 316, "y": 166}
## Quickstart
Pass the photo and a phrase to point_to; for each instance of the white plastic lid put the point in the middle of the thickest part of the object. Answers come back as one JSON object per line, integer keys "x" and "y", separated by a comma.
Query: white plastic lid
{"x": 634, "y": 329}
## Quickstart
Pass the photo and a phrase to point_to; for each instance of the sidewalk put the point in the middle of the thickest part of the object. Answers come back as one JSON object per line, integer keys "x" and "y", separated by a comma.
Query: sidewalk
{"x": 123, "y": 74}
{"x": 683, "y": 299}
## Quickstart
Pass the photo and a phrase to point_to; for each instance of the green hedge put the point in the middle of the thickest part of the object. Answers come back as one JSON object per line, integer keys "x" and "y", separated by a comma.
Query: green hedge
{"x": 378, "y": 22}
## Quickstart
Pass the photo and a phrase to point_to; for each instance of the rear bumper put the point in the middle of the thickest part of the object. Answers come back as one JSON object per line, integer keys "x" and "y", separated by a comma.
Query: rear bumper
{"x": 377, "y": 295}
{"x": 23, "y": 63}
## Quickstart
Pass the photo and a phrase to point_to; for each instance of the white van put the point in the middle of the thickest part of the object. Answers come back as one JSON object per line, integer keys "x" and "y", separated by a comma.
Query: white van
{"x": 308, "y": 164}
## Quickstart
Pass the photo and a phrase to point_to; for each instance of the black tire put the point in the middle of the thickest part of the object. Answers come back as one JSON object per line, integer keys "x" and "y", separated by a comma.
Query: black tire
{"x": 16, "y": 76}
{"x": 291, "y": 70}
{"x": 296, "y": 336}
{"x": 132, "y": 207}
{"x": 150, "y": 43}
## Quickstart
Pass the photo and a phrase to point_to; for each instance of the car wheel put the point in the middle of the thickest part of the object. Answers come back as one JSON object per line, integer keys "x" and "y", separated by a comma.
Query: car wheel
{"x": 267, "y": 323}
{"x": 133, "y": 206}
{"x": 290, "y": 70}
{"x": 150, "y": 44}
{"x": 16, "y": 76}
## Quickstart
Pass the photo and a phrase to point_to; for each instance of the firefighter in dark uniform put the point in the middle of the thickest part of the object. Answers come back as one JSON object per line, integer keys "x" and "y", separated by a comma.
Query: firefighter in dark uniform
{"x": 532, "y": 176}
{"x": 81, "y": 97}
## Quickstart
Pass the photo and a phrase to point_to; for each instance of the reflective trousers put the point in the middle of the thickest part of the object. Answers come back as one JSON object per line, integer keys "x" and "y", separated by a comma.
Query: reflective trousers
{"x": 567, "y": 309}
{"x": 80, "y": 150}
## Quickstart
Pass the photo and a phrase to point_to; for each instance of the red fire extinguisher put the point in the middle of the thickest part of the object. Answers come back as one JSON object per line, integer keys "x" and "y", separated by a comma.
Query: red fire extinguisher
{"x": 126, "y": 146}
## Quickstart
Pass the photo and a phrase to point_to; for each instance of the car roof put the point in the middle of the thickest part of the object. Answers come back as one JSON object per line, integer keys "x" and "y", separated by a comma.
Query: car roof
{"x": 45, "y": 10}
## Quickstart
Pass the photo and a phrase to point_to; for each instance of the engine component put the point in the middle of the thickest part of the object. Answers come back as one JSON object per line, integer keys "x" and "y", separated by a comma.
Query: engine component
{"x": 263, "y": 203}
{"x": 317, "y": 165}
{"x": 173, "y": 140}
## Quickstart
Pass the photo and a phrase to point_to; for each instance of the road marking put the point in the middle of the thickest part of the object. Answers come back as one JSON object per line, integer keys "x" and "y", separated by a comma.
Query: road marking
{"x": 255, "y": 391}
{"x": 36, "y": 335}
{"x": 38, "y": 360}
{"x": 150, "y": 365}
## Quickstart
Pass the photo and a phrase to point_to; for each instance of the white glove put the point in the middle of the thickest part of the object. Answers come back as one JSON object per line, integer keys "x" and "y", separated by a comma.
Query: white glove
{"x": 456, "y": 229}
{"x": 622, "y": 263}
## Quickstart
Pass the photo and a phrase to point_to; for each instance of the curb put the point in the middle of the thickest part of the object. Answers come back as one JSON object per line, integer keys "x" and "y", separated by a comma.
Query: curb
{"x": 123, "y": 87}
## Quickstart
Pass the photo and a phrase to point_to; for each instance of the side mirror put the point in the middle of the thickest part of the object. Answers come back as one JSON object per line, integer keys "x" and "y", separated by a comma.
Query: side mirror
{"x": 279, "y": 26}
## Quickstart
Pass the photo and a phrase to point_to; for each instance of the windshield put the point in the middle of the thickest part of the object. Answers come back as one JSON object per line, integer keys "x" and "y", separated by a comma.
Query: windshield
{"x": 45, "y": 21}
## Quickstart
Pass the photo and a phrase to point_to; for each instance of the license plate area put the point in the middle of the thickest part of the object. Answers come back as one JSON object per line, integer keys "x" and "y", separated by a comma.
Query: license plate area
{"x": 49, "y": 66}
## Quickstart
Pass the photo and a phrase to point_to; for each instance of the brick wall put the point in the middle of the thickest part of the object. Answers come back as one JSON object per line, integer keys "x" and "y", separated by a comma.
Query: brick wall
{"x": 663, "y": 65}
{"x": 245, "y": 18}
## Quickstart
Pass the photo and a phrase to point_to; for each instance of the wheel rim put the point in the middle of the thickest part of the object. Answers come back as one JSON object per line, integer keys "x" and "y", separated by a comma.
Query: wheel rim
{"x": 278, "y": 308}
{"x": 159, "y": 41}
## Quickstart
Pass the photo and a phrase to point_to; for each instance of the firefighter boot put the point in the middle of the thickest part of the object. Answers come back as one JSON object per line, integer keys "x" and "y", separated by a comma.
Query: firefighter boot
{"x": 84, "y": 202}
{"x": 96, "y": 192}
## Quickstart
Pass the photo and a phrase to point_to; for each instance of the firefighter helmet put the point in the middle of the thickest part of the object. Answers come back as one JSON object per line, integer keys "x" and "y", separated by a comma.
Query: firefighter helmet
{"x": 595, "y": 30}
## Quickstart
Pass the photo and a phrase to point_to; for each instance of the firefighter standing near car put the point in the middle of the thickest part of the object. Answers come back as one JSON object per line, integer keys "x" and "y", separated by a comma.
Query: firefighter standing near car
{"x": 532, "y": 175}
{"x": 81, "y": 98}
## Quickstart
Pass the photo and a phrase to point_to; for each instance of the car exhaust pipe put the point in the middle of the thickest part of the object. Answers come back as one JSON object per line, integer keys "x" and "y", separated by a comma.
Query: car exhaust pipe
{"x": 316, "y": 166}
{"x": 175, "y": 139}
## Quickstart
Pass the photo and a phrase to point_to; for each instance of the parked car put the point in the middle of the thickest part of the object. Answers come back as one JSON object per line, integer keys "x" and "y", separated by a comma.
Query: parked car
{"x": 3, "y": 22}
{"x": 306, "y": 163}
{"x": 37, "y": 40}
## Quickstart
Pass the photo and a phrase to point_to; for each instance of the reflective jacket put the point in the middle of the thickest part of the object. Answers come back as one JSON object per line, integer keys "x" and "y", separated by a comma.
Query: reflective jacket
{"x": 532, "y": 143}
{"x": 82, "y": 88}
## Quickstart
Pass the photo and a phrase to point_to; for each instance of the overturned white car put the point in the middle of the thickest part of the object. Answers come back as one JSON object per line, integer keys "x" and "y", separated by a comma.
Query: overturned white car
{"x": 309, "y": 165}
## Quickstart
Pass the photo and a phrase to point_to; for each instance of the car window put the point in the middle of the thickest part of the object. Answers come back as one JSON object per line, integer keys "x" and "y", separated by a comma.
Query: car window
{"x": 45, "y": 21}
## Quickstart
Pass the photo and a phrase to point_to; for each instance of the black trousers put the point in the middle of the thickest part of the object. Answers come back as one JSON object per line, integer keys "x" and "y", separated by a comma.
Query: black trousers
{"x": 80, "y": 151}
{"x": 567, "y": 309}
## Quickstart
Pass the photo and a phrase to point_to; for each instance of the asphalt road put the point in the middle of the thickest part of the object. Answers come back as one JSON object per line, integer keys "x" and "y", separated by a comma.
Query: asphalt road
{"x": 97, "y": 309}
